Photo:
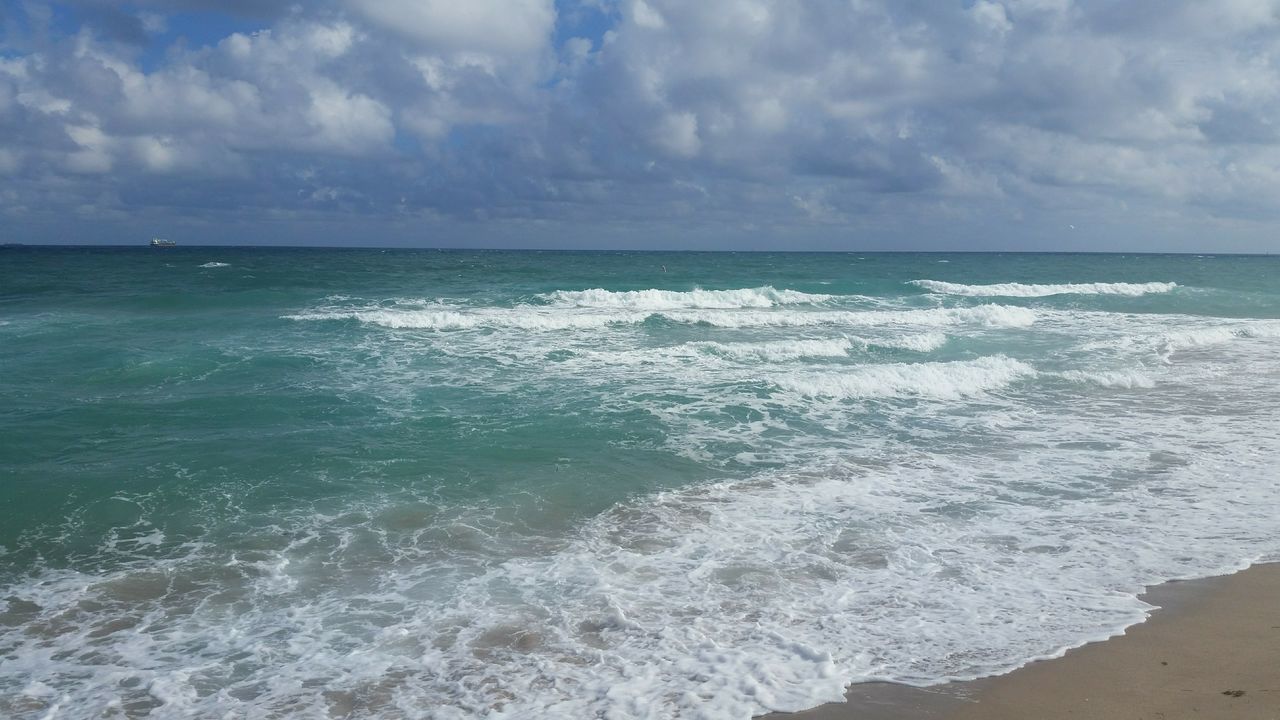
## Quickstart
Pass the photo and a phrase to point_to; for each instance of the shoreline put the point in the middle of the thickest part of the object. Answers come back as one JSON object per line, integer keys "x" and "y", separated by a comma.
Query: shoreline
{"x": 1210, "y": 649}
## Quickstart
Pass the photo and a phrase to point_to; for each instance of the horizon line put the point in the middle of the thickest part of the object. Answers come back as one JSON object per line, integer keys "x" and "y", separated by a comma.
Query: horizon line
{"x": 118, "y": 246}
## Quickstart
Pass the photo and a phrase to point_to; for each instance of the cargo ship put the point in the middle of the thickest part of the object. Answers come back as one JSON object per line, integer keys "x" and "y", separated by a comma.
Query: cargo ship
{"x": 161, "y": 242}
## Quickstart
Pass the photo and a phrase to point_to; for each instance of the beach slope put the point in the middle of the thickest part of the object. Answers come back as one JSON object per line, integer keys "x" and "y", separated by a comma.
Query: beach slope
{"x": 1211, "y": 651}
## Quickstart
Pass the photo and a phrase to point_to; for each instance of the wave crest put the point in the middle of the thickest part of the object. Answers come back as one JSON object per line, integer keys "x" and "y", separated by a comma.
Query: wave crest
{"x": 1026, "y": 290}
{"x": 934, "y": 380}
{"x": 1126, "y": 379}
{"x": 653, "y": 299}
{"x": 551, "y": 319}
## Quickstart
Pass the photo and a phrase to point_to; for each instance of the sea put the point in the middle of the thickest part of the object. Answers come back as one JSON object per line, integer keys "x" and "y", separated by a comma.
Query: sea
{"x": 362, "y": 483}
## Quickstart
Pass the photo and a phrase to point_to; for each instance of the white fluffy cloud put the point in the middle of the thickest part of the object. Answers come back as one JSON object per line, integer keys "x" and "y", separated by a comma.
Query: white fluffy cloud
{"x": 774, "y": 114}
{"x": 1006, "y": 100}
{"x": 268, "y": 91}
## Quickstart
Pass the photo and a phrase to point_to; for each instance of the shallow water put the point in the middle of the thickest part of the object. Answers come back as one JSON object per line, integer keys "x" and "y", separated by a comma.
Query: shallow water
{"x": 330, "y": 483}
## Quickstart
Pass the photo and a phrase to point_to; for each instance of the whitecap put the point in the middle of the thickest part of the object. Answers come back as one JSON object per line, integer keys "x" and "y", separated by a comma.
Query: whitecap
{"x": 934, "y": 380}
{"x": 780, "y": 350}
{"x": 922, "y": 343}
{"x": 1030, "y": 290}
{"x": 541, "y": 318}
{"x": 1128, "y": 379}
{"x": 1168, "y": 343}
{"x": 654, "y": 299}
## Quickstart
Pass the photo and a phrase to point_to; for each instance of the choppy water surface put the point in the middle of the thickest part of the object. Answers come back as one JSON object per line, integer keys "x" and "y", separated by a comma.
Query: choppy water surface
{"x": 401, "y": 484}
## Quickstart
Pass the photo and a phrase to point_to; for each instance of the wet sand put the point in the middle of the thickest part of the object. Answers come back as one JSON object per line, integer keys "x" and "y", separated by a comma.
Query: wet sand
{"x": 1211, "y": 651}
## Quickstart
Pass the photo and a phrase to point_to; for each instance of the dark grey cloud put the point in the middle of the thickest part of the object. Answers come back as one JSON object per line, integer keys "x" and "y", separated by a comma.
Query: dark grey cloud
{"x": 115, "y": 24}
{"x": 821, "y": 121}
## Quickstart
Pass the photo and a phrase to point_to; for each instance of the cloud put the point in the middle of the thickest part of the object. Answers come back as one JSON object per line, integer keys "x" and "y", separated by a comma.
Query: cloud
{"x": 777, "y": 116}
{"x": 115, "y": 24}
{"x": 257, "y": 9}
{"x": 498, "y": 28}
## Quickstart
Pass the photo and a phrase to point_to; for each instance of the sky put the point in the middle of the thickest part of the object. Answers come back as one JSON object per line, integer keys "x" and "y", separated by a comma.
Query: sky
{"x": 1072, "y": 125}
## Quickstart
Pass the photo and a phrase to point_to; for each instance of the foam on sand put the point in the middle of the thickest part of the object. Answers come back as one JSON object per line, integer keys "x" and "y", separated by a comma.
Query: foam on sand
{"x": 721, "y": 601}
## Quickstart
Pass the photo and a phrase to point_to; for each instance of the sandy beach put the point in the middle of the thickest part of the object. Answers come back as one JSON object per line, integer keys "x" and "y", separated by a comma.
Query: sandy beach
{"x": 1211, "y": 651}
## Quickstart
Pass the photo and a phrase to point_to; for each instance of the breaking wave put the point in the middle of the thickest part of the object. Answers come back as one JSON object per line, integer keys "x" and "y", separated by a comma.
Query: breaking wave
{"x": 1164, "y": 342}
{"x": 522, "y": 319}
{"x": 1184, "y": 339}
{"x": 652, "y": 299}
{"x": 1023, "y": 290}
{"x": 483, "y": 497}
{"x": 781, "y": 350}
{"x": 934, "y": 380}
{"x": 1127, "y": 379}
{"x": 818, "y": 348}
{"x": 527, "y": 317}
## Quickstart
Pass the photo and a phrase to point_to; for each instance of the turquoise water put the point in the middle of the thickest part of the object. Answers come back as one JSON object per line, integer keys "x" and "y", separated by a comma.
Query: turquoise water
{"x": 365, "y": 483}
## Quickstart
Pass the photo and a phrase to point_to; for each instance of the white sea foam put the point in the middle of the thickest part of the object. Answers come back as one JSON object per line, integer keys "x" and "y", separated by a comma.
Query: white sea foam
{"x": 1262, "y": 329}
{"x": 1111, "y": 378}
{"x": 527, "y": 317}
{"x": 215, "y": 265}
{"x": 653, "y": 299}
{"x": 1030, "y": 290}
{"x": 722, "y": 601}
{"x": 936, "y": 380}
{"x": 1166, "y": 336}
{"x": 923, "y": 342}
{"x": 982, "y": 315}
{"x": 1197, "y": 337}
{"x": 1006, "y": 517}
{"x": 781, "y": 350}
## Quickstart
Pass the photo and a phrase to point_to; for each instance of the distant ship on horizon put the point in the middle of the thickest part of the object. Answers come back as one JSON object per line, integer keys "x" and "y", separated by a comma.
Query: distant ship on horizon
{"x": 161, "y": 242}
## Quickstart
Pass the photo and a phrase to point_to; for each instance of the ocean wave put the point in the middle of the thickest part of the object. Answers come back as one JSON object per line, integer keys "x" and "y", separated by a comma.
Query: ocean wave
{"x": 215, "y": 265}
{"x": 723, "y": 601}
{"x": 525, "y": 318}
{"x": 1025, "y": 290}
{"x": 934, "y": 380}
{"x": 653, "y": 299}
{"x": 1197, "y": 337}
{"x": 953, "y": 556}
{"x": 486, "y": 503}
{"x": 1127, "y": 379}
{"x": 1163, "y": 336}
{"x": 780, "y": 350}
{"x": 982, "y": 315}
{"x": 551, "y": 319}
{"x": 818, "y": 348}
{"x": 922, "y": 343}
